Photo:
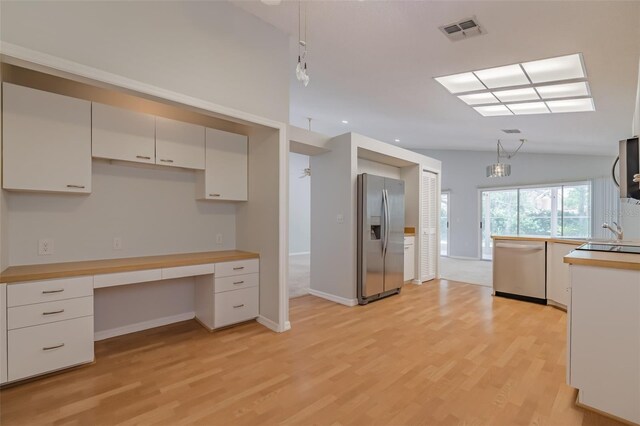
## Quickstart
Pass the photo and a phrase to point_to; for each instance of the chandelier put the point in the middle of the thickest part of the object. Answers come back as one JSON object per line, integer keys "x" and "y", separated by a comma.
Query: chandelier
{"x": 499, "y": 169}
{"x": 301, "y": 68}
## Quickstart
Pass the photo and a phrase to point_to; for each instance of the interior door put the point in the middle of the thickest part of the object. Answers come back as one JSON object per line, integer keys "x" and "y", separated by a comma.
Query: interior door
{"x": 394, "y": 253}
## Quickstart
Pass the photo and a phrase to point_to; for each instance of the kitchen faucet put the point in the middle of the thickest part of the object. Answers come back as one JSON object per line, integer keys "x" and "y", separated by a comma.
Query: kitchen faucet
{"x": 617, "y": 231}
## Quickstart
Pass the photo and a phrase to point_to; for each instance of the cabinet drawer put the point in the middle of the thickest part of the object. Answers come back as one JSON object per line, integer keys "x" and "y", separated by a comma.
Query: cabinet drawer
{"x": 236, "y": 306}
{"x": 409, "y": 240}
{"x": 43, "y": 313}
{"x": 236, "y": 282}
{"x": 124, "y": 278}
{"x": 47, "y": 291}
{"x": 240, "y": 267}
{"x": 49, "y": 347}
{"x": 188, "y": 271}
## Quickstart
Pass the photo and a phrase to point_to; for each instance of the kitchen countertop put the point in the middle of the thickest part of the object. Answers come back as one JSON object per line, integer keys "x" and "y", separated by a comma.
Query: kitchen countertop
{"x": 604, "y": 259}
{"x": 576, "y": 241}
{"x": 46, "y": 271}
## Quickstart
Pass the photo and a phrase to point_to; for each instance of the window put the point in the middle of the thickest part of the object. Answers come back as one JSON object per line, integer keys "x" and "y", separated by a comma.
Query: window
{"x": 553, "y": 210}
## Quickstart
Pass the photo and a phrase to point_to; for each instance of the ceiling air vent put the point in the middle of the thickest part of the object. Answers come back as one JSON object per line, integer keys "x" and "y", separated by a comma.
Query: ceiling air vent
{"x": 511, "y": 131}
{"x": 462, "y": 29}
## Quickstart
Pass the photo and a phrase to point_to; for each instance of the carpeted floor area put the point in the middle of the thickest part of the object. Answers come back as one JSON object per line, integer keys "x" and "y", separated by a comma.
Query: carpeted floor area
{"x": 299, "y": 274}
{"x": 478, "y": 272}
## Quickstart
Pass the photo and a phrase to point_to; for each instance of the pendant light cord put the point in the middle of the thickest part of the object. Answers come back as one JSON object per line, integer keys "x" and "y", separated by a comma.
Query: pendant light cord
{"x": 508, "y": 155}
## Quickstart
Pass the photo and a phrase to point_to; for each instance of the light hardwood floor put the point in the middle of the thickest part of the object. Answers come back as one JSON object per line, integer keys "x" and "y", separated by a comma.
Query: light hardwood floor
{"x": 442, "y": 353}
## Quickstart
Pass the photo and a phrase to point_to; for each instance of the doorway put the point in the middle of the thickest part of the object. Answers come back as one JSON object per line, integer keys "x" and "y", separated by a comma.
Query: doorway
{"x": 299, "y": 225}
{"x": 444, "y": 223}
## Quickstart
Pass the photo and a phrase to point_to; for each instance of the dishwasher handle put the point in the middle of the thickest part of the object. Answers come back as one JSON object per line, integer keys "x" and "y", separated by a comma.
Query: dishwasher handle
{"x": 519, "y": 246}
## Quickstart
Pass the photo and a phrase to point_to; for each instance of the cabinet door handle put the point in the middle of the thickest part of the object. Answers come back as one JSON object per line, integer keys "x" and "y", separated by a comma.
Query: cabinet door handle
{"x": 166, "y": 161}
{"x": 238, "y": 282}
{"x": 238, "y": 268}
{"x": 52, "y": 291}
{"x": 48, "y": 348}
{"x": 53, "y": 312}
{"x": 76, "y": 186}
{"x": 214, "y": 195}
{"x": 143, "y": 157}
{"x": 238, "y": 306}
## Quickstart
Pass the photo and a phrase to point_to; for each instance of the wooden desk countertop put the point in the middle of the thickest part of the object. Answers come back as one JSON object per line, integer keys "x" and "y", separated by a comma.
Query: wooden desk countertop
{"x": 604, "y": 259}
{"x": 15, "y": 274}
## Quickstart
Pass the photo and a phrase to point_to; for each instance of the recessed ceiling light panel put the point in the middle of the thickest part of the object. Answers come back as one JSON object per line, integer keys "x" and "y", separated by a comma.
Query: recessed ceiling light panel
{"x": 479, "y": 99}
{"x": 517, "y": 95}
{"x": 459, "y": 83}
{"x": 529, "y": 108}
{"x": 493, "y": 110}
{"x": 510, "y": 75}
{"x": 555, "y": 69}
{"x": 572, "y": 105}
{"x": 345, "y": 122}
{"x": 568, "y": 90}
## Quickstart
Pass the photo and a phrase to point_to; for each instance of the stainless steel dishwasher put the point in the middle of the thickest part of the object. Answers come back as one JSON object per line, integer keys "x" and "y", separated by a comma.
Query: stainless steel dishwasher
{"x": 519, "y": 270}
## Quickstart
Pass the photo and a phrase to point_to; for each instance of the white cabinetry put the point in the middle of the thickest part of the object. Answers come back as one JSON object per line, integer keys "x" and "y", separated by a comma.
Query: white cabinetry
{"x": 179, "y": 144}
{"x": 409, "y": 258}
{"x": 558, "y": 273}
{"x": 225, "y": 175}
{"x": 121, "y": 134}
{"x": 3, "y": 333}
{"x": 229, "y": 297}
{"x": 428, "y": 236}
{"x": 46, "y": 141}
{"x": 50, "y": 326}
{"x": 604, "y": 339}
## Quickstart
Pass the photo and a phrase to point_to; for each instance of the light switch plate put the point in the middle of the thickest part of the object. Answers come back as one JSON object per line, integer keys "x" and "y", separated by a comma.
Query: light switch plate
{"x": 45, "y": 247}
{"x": 218, "y": 238}
{"x": 117, "y": 243}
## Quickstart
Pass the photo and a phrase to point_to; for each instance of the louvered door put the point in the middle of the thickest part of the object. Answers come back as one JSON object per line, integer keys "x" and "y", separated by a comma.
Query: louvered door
{"x": 429, "y": 243}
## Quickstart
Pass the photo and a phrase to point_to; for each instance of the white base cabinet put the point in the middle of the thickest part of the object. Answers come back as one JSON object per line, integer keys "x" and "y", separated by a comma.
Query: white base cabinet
{"x": 3, "y": 333}
{"x": 603, "y": 353}
{"x": 229, "y": 297}
{"x": 409, "y": 258}
{"x": 558, "y": 273}
{"x": 46, "y": 141}
{"x": 225, "y": 174}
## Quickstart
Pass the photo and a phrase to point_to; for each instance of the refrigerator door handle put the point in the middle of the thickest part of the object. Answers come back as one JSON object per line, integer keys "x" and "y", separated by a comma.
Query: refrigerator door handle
{"x": 387, "y": 222}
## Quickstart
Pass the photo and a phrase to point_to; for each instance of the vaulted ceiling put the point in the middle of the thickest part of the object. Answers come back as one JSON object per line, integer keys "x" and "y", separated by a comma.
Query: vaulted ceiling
{"x": 373, "y": 64}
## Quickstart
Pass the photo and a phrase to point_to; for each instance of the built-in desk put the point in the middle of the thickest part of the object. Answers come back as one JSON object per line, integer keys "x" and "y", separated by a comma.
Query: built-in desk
{"x": 49, "y": 307}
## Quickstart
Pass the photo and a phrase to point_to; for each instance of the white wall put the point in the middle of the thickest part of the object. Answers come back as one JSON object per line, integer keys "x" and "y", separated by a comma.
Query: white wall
{"x": 210, "y": 50}
{"x": 378, "y": 169}
{"x": 299, "y": 205}
{"x": 464, "y": 172}
{"x": 154, "y": 210}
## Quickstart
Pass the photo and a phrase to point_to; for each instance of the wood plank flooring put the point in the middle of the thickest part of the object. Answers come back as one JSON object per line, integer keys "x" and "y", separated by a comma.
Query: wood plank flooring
{"x": 444, "y": 353}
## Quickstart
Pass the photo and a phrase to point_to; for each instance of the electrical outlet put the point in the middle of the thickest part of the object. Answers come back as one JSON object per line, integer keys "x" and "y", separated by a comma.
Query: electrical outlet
{"x": 219, "y": 239}
{"x": 117, "y": 243}
{"x": 45, "y": 247}
{"x": 340, "y": 218}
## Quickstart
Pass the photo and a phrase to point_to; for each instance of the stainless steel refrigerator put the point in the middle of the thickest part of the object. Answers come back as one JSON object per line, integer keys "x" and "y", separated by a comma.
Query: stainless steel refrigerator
{"x": 380, "y": 237}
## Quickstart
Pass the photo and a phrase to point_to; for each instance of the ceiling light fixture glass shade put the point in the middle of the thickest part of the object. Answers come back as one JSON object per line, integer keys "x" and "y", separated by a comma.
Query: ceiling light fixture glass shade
{"x": 459, "y": 83}
{"x": 498, "y": 170}
{"x": 510, "y": 75}
{"x": 529, "y": 108}
{"x": 568, "y": 90}
{"x": 479, "y": 99}
{"x": 493, "y": 110}
{"x": 572, "y": 105}
{"x": 517, "y": 95}
{"x": 555, "y": 69}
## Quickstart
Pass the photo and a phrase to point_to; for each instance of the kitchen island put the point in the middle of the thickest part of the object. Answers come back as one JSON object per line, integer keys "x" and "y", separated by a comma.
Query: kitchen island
{"x": 603, "y": 340}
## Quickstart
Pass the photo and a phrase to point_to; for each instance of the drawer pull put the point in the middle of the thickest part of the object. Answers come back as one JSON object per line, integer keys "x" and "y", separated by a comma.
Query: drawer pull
{"x": 238, "y": 306}
{"x": 214, "y": 195}
{"x": 76, "y": 186}
{"x": 48, "y": 348}
{"x": 52, "y": 291}
{"x": 166, "y": 161}
{"x": 143, "y": 157}
{"x": 53, "y": 312}
{"x": 238, "y": 268}
{"x": 238, "y": 282}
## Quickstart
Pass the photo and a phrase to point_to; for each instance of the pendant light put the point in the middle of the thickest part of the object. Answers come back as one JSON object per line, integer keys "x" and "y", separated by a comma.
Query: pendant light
{"x": 499, "y": 169}
{"x": 301, "y": 67}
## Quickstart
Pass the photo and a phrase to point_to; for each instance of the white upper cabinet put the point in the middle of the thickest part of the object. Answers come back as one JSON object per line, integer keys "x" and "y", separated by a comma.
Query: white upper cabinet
{"x": 121, "y": 134}
{"x": 47, "y": 141}
{"x": 179, "y": 144}
{"x": 225, "y": 175}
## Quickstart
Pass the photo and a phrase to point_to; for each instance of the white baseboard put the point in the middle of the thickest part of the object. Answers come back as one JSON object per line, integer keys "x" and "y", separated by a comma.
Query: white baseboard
{"x": 302, "y": 253}
{"x": 464, "y": 257}
{"x": 333, "y": 298}
{"x": 271, "y": 325}
{"x": 139, "y": 326}
{"x": 416, "y": 282}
